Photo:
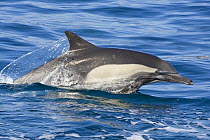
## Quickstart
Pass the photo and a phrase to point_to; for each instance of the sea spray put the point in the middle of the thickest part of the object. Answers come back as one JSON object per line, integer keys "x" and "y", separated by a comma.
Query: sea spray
{"x": 32, "y": 60}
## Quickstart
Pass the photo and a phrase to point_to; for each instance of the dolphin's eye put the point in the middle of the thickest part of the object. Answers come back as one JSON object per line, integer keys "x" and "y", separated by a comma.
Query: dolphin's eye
{"x": 158, "y": 72}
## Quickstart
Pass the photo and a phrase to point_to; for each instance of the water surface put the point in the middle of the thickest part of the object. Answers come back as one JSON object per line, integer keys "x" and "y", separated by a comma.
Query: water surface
{"x": 176, "y": 31}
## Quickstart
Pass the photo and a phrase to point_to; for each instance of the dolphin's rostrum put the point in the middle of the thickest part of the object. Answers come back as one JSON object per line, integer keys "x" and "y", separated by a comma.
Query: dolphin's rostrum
{"x": 86, "y": 66}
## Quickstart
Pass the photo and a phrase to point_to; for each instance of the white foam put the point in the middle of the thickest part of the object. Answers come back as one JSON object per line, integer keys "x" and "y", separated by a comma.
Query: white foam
{"x": 6, "y": 79}
{"x": 73, "y": 135}
{"x": 178, "y": 130}
{"x": 47, "y": 136}
{"x": 134, "y": 123}
{"x": 151, "y": 122}
{"x": 135, "y": 137}
{"x": 139, "y": 135}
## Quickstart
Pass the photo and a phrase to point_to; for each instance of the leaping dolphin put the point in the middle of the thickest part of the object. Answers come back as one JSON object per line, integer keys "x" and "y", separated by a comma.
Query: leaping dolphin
{"x": 86, "y": 66}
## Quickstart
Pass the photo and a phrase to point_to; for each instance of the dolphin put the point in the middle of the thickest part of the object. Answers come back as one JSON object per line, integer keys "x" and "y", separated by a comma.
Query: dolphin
{"x": 86, "y": 66}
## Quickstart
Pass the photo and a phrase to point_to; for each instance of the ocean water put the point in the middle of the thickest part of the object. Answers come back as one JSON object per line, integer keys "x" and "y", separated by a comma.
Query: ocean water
{"x": 176, "y": 31}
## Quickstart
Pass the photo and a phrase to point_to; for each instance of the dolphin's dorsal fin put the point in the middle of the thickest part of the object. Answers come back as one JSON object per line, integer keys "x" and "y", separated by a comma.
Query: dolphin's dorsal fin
{"x": 77, "y": 42}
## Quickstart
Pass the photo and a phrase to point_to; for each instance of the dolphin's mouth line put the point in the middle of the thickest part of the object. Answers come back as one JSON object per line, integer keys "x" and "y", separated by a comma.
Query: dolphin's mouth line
{"x": 175, "y": 78}
{"x": 149, "y": 78}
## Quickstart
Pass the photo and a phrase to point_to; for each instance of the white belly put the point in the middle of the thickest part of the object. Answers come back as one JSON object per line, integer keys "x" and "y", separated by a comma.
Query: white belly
{"x": 112, "y": 72}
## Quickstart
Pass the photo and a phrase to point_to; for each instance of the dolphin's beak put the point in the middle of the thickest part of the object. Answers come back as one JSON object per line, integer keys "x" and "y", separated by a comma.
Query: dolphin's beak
{"x": 175, "y": 78}
{"x": 180, "y": 79}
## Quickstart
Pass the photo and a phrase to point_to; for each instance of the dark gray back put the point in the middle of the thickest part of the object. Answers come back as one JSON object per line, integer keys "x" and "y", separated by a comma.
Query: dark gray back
{"x": 101, "y": 56}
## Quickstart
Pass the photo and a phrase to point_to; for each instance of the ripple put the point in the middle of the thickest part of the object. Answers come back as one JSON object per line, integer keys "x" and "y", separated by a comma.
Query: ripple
{"x": 125, "y": 12}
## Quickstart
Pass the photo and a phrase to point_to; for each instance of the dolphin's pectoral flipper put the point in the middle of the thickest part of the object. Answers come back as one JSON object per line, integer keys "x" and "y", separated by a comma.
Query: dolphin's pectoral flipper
{"x": 132, "y": 87}
{"x": 63, "y": 76}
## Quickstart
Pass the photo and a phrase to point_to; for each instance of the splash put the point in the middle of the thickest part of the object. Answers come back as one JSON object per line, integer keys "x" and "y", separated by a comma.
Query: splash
{"x": 5, "y": 79}
{"x": 32, "y": 60}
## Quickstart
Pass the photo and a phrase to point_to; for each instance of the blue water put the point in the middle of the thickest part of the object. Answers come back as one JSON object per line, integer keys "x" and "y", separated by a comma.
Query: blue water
{"x": 176, "y": 31}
